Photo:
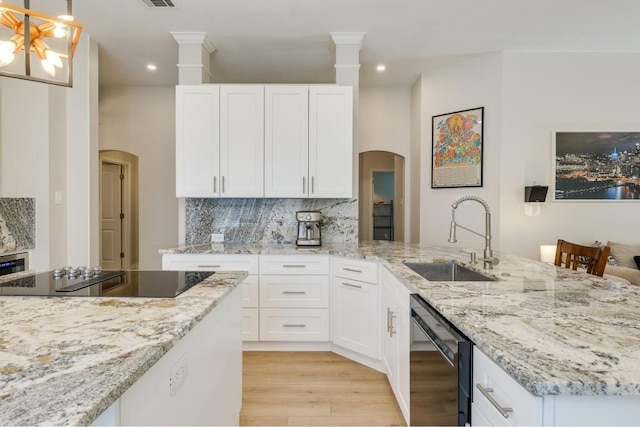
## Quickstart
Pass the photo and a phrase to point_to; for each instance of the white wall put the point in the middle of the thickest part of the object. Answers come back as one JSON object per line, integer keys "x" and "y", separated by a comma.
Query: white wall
{"x": 24, "y": 153}
{"x": 45, "y": 146}
{"x": 474, "y": 83}
{"x": 141, "y": 121}
{"x": 526, "y": 97}
{"x": 544, "y": 92}
{"x": 385, "y": 125}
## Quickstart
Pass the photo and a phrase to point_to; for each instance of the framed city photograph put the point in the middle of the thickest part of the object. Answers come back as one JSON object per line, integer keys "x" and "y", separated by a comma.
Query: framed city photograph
{"x": 457, "y": 142}
{"x": 596, "y": 166}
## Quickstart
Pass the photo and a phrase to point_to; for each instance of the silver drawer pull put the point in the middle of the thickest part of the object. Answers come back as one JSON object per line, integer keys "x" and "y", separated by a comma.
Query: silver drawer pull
{"x": 294, "y": 292}
{"x": 293, "y": 265}
{"x": 208, "y": 266}
{"x": 353, "y": 270}
{"x": 504, "y": 411}
{"x": 289, "y": 325}
{"x": 352, "y": 286}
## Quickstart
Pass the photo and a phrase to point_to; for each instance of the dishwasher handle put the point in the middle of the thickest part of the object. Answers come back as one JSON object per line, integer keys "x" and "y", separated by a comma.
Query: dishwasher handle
{"x": 434, "y": 338}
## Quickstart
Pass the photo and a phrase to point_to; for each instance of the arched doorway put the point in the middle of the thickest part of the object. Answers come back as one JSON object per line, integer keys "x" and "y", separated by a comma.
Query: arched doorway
{"x": 118, "y": 210}
{"x": 381, "y": 196}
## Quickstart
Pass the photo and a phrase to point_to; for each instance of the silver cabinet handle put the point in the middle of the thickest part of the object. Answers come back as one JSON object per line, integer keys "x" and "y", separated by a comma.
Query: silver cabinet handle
{"x": 294, "y": 292}
{"x": 289, "y": 325}
{"x": 303, "y": 185}
{"x": 293, "y": 265}
{"x": 504, "y": 411}
{"x": 392, "y": 316}
{"x": 215, "y": 184}
{"x": 313, "y": 184}
{"x": 208, "y": 266}
{"x": 223, "y": 183}
{"x": 388, "y": 319}
{"x": 352, "y": 286}
{"x": 353, "y": 270}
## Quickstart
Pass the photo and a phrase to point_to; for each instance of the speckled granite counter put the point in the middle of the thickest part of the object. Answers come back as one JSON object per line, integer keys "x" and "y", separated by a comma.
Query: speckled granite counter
{"x": 63, "y": 361}
{"x": 556, "y": 331}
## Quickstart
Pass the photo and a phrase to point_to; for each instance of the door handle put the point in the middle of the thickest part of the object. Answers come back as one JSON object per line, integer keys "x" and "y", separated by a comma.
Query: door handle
{"x": 504, "y": 411}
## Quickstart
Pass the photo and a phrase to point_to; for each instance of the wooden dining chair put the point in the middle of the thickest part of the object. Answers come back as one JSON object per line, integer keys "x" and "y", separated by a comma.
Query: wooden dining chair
{"x": 571, "y": 255}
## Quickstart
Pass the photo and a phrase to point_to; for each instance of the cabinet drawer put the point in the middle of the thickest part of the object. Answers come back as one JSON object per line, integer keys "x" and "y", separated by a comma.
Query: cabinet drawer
{"x": 250, "y": 324}
{"x": 251, "y": 291}
{"x": 526, "y": 409}
{"x": 294, "y": 324}
{"x": 294, "y": 264}
{"x": 363, "y": 271}
{"x": 204, "y": 262}
{"x": 294, "y": 291}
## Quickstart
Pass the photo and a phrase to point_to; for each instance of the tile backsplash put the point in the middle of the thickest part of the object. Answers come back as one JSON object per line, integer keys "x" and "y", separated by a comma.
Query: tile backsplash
{"x": 17, "y": 224}
{"x": 267, "y": 220}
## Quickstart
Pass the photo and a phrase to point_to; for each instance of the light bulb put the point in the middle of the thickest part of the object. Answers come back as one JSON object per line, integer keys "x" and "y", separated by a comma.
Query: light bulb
{"x": 6, "y": 52}
{"x": 53, "y": 58}
{"x": 48, "y": 67}
{"x": 59, "y": 32}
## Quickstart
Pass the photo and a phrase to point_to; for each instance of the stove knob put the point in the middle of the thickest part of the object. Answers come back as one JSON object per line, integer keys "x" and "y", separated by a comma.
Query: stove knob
{"x": 58, "y": 273}
{"x": 97, "y": 270}
{"x": 87, "y": 272}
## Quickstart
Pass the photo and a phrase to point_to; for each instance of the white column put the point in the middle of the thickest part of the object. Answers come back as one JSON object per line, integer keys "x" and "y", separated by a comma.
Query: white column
{"x": 347, "y": 50}
{"x": 194, "y": 53}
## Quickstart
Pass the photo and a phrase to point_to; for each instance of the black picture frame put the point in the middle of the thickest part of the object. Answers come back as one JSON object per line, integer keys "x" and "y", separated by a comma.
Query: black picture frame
{"x": 457, "y": 149}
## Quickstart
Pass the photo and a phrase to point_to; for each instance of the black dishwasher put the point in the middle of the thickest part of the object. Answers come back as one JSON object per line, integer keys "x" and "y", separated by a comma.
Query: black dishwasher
{"x": 440, "y": 369}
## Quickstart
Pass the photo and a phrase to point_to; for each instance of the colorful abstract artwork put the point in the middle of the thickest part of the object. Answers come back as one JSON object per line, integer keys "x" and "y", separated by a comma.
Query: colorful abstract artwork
{"x": 457, "y": 149}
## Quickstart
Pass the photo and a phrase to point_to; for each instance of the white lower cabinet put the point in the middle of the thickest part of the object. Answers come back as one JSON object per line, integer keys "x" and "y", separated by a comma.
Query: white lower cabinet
{"x": 354, "y": 305}
{"x": 221, "y": 262}
{"x": 499, "y": 399}
{"x": 294, "y": 298}
{"x": 395, "y": 329}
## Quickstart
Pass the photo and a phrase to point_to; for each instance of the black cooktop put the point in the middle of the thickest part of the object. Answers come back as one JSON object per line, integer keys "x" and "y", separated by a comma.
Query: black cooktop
{"x": 148, "y": 284}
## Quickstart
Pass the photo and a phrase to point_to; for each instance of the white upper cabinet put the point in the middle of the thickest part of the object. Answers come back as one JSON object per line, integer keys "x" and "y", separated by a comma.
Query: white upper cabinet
{"x": 197, "y": 140}
{"x": 241, "y": 141}
{"x": 286, "y": 141}
{"x": 331, "y": 141}
{"x": 264, "y": 141}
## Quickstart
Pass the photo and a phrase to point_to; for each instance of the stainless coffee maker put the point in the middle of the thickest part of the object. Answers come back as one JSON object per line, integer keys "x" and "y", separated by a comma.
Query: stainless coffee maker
{"x": 308, "y": 228}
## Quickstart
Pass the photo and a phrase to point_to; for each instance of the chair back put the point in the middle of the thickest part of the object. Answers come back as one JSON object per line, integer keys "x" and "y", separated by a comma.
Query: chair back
{"x": 571, "y": 255}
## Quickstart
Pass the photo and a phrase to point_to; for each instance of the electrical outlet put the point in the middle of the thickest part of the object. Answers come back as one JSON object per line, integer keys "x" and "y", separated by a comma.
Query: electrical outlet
{"x": 178, "y": 375}
{"x": 217, "y": 237}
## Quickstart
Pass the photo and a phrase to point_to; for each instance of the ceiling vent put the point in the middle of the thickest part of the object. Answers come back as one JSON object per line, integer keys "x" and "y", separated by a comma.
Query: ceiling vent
{"x": 158, "y": 3}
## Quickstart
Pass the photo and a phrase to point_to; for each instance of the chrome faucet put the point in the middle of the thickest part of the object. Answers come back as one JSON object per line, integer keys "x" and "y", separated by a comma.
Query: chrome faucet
{"x": 488, "y": 258}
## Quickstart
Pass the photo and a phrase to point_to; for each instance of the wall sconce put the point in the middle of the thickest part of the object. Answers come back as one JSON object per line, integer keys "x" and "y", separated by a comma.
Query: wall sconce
{"x": 27, "y": 35}
{"x": 533, "y": 196}
{"x": 548, "y": 253}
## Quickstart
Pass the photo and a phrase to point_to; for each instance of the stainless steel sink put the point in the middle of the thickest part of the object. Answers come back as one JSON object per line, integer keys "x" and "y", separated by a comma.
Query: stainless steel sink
{"x": 447, "y": 272}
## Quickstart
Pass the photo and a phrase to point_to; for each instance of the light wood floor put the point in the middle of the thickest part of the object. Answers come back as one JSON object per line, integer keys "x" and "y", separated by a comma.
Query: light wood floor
{"x": 314, "y": 389}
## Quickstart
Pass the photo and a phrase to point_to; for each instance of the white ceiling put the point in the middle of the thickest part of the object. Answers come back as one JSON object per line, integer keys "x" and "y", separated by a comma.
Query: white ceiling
{"x": 288, "y": 41}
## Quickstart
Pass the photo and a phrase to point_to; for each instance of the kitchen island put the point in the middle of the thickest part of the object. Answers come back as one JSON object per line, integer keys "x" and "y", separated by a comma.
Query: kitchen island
{"x": 557, "y": 332}
{"x": 65, "y": 361}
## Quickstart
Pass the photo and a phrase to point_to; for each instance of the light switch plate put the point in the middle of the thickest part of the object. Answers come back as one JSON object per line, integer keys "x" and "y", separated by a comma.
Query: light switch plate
{"x": 217, "y": 237}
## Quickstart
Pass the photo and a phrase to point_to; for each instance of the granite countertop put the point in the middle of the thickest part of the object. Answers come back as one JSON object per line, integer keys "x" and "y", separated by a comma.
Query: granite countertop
{"x": 556, "y": 331}
{"x": 63, "y": 361}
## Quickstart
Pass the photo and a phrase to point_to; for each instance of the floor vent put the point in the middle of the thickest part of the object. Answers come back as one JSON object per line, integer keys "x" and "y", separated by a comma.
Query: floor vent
{"x": 158, "y": 3}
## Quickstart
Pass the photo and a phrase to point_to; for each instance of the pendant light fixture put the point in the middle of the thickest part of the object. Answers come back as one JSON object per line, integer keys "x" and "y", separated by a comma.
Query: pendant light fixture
{"x": 38, "y": 46}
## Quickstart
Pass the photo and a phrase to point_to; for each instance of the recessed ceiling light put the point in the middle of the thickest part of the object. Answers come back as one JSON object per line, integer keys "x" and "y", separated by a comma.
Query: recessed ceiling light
{"x": 381, "y": 67}
{"x": 151, "y": 67}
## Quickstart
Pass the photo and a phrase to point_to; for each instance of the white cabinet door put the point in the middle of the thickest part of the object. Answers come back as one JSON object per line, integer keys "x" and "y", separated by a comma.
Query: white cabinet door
{"x": 286, "y": 141}
{"x": 197, "y": 140}
{"x": 389, "y": 340}
{"x": 354, "y": 316}
{"x": 242, "y": 141}
{"x": 331, "y": 141}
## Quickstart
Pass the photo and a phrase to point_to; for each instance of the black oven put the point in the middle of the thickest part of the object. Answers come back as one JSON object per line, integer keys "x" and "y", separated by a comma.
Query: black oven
{"x": 14, "y": 263}
{"x": 440, "y": 369}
